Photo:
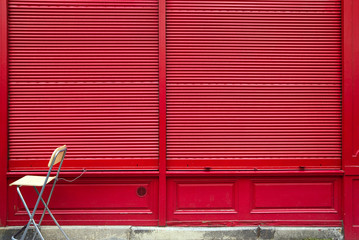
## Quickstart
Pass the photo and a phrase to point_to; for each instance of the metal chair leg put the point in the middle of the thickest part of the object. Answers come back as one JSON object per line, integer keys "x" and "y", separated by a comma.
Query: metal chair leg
{"x": 48, "y": 201}
{"x": 13, "y": 237}
{"x": 52, "y": 216}
{"x": 31, "y": 215}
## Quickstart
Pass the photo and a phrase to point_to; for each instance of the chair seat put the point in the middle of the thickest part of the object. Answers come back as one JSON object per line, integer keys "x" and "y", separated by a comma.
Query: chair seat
{"x": 30, "y": 180}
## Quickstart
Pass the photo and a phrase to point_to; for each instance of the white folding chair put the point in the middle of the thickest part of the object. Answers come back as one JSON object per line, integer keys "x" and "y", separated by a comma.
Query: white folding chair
{"x": 40, "y": 181}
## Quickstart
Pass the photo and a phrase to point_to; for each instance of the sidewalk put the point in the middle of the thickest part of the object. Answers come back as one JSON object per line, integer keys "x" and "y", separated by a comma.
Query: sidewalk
{"x": 184, "y": 233}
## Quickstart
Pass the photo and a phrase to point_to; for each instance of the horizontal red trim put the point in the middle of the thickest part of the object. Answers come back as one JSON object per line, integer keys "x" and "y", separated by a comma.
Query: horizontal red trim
{"x": 255, "y": 163}
{"x": 93, "y": 220}
{"x": 284, "y": 173}
{"x": 91, "y": 164}
{"x": 229, "y": 223}
{"x": 90, "y": 173}
{"x": 183, "y": 173}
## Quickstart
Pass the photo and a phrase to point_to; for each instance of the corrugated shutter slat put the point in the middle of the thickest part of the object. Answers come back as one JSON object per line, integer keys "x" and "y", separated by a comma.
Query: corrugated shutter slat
{"x": 253, "y": 84}
{"x": 85, "y": 74}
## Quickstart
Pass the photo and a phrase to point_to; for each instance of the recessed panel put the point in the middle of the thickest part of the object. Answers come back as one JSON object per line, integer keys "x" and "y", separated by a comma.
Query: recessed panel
{"x": 205, "y": 196}
{"x": 95, "y": 196}
{"x": 293, "y": 195}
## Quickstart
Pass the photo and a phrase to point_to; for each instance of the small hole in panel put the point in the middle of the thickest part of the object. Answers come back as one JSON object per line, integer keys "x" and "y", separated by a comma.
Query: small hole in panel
{"x": 141, "y": 191}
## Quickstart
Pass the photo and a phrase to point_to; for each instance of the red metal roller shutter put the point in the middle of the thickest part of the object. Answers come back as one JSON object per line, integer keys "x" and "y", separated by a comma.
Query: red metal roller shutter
{"x": 254, "y": 84}
{"x": 85, "y": 74}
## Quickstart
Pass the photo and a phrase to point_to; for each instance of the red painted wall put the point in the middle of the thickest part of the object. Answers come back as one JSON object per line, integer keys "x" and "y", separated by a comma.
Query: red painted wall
{"x": 317, "y": 187}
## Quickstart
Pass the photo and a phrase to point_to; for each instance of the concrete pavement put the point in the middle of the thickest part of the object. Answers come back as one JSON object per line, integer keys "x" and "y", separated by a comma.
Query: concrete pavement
{"x": 184, "y": 233}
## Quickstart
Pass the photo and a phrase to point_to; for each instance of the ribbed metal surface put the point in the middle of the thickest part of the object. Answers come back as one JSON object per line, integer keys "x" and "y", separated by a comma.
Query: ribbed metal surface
{"x": 253, "y": 79}
{"x": 85, "y": 74}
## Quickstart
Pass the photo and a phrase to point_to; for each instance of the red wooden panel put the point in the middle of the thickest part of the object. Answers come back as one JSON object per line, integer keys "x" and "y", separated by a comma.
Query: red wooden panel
{"x": 252, "y": 82}
{"x": 311, "y": 198}
{"x": 252, "y": 200}
{"x": 202, "y": 199}
{"x": 289, "y": 196}
{"x": 202, "y": 196}
{"x": 94, "y": 201}
{"x": 83, "y": 73}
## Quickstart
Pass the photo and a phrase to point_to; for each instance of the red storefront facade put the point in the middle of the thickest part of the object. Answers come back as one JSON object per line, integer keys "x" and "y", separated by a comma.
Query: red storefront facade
{"x": 185, "y": 113}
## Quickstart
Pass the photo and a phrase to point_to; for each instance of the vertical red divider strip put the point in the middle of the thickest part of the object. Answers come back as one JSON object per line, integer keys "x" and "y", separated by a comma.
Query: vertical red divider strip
{"x": 347, "y": 115}
{"x": 346, "y": 82}
{"x": 4, "y": 111}
{"x": 162, "y": 112}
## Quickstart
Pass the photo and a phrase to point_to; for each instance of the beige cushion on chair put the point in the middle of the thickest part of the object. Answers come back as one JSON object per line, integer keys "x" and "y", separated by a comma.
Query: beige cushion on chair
{"x": 29, "y": 180}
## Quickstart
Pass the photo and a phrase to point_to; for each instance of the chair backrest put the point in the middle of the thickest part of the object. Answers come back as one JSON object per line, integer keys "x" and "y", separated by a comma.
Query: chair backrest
{"x": 57, "y": 156}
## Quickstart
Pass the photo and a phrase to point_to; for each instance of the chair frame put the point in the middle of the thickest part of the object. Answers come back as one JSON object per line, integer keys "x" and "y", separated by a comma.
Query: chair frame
{"x": 53, "y": 161}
